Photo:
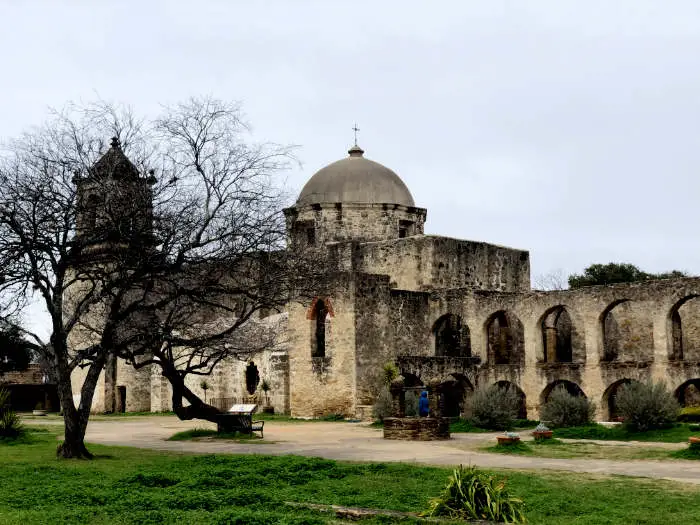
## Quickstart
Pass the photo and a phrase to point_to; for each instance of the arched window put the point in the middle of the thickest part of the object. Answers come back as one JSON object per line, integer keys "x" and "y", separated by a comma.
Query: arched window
{"x": 685, "y": 329}
{"x": 451, "y": 337}
{"x": 556, "y": 336}
{"x": 628, "y": 333}
{"x": 505, "y": 339}
{"x": 252, "y": 378}
{"x": 318, "y": 343}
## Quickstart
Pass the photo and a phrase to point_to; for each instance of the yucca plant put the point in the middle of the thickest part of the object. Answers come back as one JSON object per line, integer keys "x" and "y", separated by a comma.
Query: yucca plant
{"x": 10, "y": 423}
{"x": 474, "y": 495}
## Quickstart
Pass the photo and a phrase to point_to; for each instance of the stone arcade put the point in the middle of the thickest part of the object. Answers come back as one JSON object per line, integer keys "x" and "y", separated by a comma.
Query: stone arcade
{"x": 453, "y": 314}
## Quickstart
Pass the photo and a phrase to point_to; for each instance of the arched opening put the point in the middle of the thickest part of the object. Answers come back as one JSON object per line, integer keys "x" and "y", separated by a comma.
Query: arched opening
{"x": 505, "y": 336}
{"x": 557, "y": 336}
{"x": 252, "y": 378}
{"x": 571, "y": 387}
{"x": 610, "y": 398}
{"x": 318, "y": 336}
{"x": 688, "y": 394}
{"x": 627, "y": 333}
{"x": 685, "y": 329}
{"x": 452, "y": 338}
{"x": 452, "y": 395}
{"x": 522, "y": 405}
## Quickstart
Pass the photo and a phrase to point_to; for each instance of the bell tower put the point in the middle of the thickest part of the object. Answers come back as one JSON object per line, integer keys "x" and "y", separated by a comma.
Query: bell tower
{"x": 114, "y": 208}
{"x": 114, "y": 223}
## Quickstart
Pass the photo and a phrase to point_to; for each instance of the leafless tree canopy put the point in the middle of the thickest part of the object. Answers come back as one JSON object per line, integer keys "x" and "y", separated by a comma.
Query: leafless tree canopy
{"x": 162, "y": 247}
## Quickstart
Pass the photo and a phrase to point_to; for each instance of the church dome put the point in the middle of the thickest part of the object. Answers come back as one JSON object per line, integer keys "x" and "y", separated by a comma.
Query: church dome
{"x": 355, "y": 179}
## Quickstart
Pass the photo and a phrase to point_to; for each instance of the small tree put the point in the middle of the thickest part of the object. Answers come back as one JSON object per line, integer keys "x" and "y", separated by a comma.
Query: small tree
{"x": 565, "y": 410}
{"x": 204, "y": 386}
{"x": 495, "y": 407}
{"x": 384, "y": 403}
{"x": 266, "y": 387}
{"x": 646, "y": 406}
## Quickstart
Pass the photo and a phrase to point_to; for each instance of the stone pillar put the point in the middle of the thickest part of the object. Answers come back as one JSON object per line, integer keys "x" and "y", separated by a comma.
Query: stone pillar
{"x": 434, "y": 398}
{"x": 550, "y": 349}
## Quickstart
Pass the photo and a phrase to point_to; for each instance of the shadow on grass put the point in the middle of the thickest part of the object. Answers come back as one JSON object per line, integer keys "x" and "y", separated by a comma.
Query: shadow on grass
{"x": 524, "y": 449}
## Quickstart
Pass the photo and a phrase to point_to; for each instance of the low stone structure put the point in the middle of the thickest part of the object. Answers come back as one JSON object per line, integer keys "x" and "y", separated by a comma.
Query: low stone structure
{"x": 416, "y": 428}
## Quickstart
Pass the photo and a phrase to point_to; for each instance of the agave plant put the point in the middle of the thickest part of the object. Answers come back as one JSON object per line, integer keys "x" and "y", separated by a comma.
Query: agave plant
{"x": 10, "y": 423}
{"x": 474, "y": 495}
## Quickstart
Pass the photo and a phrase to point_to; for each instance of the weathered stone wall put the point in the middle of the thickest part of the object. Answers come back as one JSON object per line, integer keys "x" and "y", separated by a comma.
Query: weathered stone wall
{"x": 427, "y": 262}
{"x": 416, "y": 428}
{"x": 356, "y": 222}
{"x": 646, "y": 341}
{"x": 323, "y": 385}
{"x": 137, "y": 384}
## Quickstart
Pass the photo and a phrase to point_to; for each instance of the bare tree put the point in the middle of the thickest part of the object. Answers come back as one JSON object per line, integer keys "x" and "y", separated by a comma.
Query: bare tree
{"x": 219, "y": 259}
{"x": 163, "y": 250}
{"x": 38, "y": 210}
{"x": 554, "y": 280}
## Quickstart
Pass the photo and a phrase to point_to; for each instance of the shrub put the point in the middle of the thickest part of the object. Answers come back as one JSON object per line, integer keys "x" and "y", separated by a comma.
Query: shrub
{"x": 10, "y": 423}
{"x": 565, "y": 410}
{"x": 474, "y": 495}
{"x": 646, "y": 406}
{"x": 384, "y": 405}
{"x": 495, "y": 407}
{"x": 689, "y": 414}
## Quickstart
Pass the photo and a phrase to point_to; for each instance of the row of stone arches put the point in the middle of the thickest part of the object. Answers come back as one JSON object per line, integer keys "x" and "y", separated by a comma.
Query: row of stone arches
{"x": 505, "y": 337}
{"x": 627, "y": 335}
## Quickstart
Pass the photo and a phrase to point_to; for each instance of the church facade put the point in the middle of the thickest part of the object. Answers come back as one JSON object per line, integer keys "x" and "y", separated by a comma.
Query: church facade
{"x": 452, "y": 314}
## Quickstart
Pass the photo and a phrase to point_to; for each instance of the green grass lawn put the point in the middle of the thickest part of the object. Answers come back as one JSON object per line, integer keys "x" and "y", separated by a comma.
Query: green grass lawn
{"x": 128, "y": 485}
{"x": 678, "y": 433}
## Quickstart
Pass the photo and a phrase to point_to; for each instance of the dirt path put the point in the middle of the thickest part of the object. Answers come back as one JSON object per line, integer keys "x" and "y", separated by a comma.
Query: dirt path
{"x": 358, "y": 442}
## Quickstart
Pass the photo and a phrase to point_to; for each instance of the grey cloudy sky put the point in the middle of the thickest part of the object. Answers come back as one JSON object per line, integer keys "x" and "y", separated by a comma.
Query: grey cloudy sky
{"x": 566, "y": 128}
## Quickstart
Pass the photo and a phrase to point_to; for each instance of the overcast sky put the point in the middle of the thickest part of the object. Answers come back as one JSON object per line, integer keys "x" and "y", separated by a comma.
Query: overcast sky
{"x": 570, "y": 129}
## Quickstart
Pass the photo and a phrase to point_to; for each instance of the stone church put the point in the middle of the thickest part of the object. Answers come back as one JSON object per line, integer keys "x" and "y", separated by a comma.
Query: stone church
{"x": 452, "y": 315}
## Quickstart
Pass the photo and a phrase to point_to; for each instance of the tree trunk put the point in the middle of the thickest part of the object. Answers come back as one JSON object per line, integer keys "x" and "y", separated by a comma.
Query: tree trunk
{"x": 76, "y": 419}
{"x": 197, "y": 409}
{"x": 73, "y": 445}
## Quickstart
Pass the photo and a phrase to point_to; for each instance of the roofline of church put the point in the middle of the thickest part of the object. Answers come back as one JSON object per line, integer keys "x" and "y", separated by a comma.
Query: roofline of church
{"x": 336, "y": 205}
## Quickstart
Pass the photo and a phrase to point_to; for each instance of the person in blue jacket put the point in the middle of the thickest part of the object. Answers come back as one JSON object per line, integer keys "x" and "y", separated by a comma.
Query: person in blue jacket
{"x": 423, "y": 408}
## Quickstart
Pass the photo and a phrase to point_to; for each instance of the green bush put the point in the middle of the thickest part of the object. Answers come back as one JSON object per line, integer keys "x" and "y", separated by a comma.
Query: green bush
{"x": 646, "y": 406}
{"x": 474, "y": 495}
{"x": 495, "y": 407}
{"x": 384, "y": 405}
{"x": 10, "y": 423}
{"x": 565, "y": 410}
{"x": 689, "y": 414}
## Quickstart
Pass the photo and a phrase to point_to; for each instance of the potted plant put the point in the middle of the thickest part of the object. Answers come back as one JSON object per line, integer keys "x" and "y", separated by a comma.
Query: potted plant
{"x": 266, "y": 387}
{"x": 509, "y": 438}
{"x": 541, "y": 432}
{"x": 39, "y": 409}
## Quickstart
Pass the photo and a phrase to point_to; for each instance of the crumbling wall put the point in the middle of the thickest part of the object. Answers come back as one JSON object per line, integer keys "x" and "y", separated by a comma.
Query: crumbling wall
{"x": 427, "y": 262}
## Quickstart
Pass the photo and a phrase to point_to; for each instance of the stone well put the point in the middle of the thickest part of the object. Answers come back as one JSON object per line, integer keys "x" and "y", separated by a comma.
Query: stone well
{"x": 416, "y": 428}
